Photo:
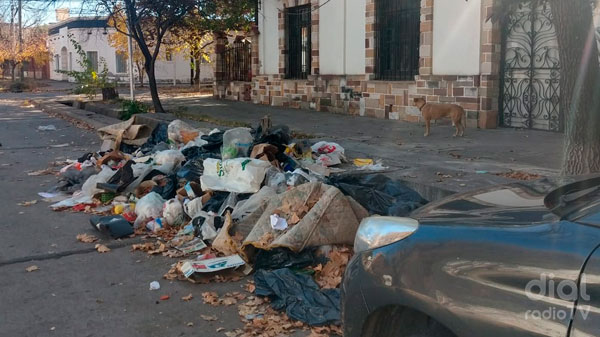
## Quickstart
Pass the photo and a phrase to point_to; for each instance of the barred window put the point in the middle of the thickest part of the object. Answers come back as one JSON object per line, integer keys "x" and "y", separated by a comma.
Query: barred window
{"x": 298, "y": 30}
{"x": 397, "y": 39}
{"x": 121, "y": 63}
{"x": 93, "y": 57}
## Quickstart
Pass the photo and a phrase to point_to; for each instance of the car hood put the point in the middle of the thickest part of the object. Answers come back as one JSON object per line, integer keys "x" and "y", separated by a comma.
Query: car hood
{"x": 514, "y": 204}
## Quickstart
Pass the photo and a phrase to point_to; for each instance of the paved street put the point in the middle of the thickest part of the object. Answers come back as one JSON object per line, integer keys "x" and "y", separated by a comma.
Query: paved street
{"x": 77, "y": 291}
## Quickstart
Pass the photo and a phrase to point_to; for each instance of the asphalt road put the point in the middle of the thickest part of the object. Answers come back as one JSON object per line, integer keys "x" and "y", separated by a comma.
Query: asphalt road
{"x": 78, "y": 291}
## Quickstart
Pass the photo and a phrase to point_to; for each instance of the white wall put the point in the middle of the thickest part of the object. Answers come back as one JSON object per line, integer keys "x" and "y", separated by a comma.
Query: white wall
{"x": 342, "y": 37}
{"x": 268, "y": 26}
{"x": 456, "y": 37}
{"x": 165, "y": 71}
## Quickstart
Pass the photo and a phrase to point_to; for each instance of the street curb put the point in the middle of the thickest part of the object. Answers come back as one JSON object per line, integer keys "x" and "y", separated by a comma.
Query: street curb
{"x": 90, "y": 119}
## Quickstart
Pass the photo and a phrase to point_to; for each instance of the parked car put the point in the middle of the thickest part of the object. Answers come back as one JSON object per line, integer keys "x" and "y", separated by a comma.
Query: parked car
{"x": 516, "y": 260}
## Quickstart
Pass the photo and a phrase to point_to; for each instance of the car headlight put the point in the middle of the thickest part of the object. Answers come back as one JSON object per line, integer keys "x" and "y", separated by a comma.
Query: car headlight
{"x": 379, "y": 231}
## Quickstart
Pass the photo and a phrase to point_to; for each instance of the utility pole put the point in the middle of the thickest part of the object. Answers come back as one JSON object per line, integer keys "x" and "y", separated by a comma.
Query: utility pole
{"x": 21, "y": 73}
{"x": 130, "y": 48}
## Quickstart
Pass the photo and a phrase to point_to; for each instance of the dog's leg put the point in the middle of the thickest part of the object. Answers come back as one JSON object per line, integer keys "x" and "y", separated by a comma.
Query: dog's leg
{"x": 427, "y": 127}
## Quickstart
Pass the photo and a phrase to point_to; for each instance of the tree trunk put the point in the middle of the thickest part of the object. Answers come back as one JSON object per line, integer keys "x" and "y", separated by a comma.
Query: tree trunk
{"x": 198, "y": 65}
{"x": 141, "y": 72}
{"x": 153, "y": 87}
{"x": 580, "y": 72}
{"x": 12, "y": 71}
{"x": 32, "y": 64}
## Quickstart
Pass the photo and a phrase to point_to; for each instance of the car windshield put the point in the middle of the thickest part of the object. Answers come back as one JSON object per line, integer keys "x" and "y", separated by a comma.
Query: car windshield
{"x": 570, "y": 198}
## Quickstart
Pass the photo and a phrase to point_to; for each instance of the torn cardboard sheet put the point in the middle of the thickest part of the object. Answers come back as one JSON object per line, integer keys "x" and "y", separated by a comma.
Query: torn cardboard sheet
{"x": 128, "y": 132}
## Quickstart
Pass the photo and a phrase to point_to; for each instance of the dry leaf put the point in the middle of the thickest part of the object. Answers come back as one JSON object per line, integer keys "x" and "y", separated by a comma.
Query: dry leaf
{"x": 32, "y": 268}
{"x": 164, "y": 297}
{"x": 209, "y": 318}
{"x": 27, "y": 203}
{"x": 190, "y": 324}
{"x": 41, "y": 172}
{"x": 250, "y": 287}
{"x": 265, "y": 240}
{"x": 330, "y": 276}
{"x": 102, "y": 248}
{"x": 86, "y": 238}
{"x": 211, "y": 298}
{"x": 220, "y": 329}
{"x": 188, "y": 297}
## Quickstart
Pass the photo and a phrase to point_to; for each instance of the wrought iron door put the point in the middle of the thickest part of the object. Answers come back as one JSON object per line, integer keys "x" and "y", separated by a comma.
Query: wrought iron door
{"x": 531, "y": 69}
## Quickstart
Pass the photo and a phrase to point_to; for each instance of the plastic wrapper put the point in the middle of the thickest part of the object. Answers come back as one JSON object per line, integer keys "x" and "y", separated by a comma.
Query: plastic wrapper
{"x": 168, "y": 160}
{"x": 193, "y": 207}
{"x": 89, "y": 187}
{"x": 277, "y": 180}
{"x": 241, "y": 175}
{"x": 236, "y": 143}
{"x": 173, "y": 212}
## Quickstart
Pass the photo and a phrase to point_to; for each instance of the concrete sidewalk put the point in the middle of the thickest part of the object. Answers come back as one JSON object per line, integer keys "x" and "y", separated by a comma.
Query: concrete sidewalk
{"x": 436, "y": 166}
{"x": 472, "y": 161}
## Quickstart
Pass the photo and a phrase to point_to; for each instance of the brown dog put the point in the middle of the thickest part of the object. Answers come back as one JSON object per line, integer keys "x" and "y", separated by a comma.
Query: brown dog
{"x": 438, "y": 111}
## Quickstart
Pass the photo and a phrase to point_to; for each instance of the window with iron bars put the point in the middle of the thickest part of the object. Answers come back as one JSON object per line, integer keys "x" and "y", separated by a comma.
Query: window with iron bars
{"x": 298, "y": 42}
{"x": 397, "y": 39}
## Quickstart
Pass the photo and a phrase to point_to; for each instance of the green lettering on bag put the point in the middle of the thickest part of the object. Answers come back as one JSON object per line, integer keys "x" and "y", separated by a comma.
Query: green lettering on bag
{"x": 244, "y": 163}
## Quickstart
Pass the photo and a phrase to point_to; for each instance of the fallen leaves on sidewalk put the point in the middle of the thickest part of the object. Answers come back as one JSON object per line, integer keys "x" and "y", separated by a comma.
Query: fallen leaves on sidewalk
{"x": 164, "y": 297}
{"x": 209, "y": 318}
{"x": 250, "y": 287}
{"x": 32, "y": 268}
{"x": 86, "y": 238}
{"x": 325, "y": 331}
{"x": 27, "y": 203}
{"x": 188, "y": 297}
{"x": 519, "y": 175}
{"x": 211, "y": 298}
{"x": 102, "y": 248}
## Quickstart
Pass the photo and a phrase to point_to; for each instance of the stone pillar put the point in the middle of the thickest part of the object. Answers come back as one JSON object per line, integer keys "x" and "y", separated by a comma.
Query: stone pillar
{"x": 220, "y": 86}
{"x": 254, "y": 38}
{"x": 491, "y": 58}
{"x": 425, "y": 52}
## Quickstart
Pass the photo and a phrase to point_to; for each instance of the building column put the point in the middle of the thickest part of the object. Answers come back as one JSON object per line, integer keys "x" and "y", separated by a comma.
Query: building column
{"x": 220, "y": 86}
{"x": 491, "y": 58}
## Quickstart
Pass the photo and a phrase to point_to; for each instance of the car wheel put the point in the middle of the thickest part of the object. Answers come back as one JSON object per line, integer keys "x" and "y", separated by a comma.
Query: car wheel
{"x": 403, "y": 322}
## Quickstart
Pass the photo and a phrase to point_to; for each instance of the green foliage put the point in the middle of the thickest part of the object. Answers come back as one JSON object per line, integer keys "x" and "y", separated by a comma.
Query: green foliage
{"x": 130, "y": 108}
{"x": 89, "y": 80}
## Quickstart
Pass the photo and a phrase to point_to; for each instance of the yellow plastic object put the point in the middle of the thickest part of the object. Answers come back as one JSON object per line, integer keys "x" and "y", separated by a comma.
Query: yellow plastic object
{"x": 132, "y": 206}
{"x": 118, "y": 209}
{"x": 363, "y": 162}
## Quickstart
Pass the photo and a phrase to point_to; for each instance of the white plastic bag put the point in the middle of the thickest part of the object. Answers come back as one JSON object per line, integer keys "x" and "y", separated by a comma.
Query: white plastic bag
{"x": 330, "y": 153}
{"x": 168, "y": 160}
{"x": 89, "y": 187}
{"x": 149, "y": 207}
{"x": 173, "y": 212}
{"x": 178, "y": 131}
{"x": 236, "y": 143}
{"x": 276, "y": 179}
{"x": 240, "y": 175}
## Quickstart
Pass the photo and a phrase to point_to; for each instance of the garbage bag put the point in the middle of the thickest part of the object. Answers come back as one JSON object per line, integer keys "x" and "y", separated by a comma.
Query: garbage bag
{"x": 318, "y": 214}
{"x": 149, "y": 207}
{"x": 278, "y": 135}
{"x": 236, "y": 143}
{"x": 169, "y": 190}
{"x": 115, "y": 225}
{"x": 215, "y": 202}
{"x": 215, "y": 142}
{"x": 173, "y": 212}
{"x": 379, "y": 194}
{"x": 299, "y": 296}
{"x": 159, "y": 135}
{"x": 278, "y": 258}
{"x": 240, "y": 175}
{"x": 72, "y": 179}
{"x": 168, "y": 160}
{"x": 257, "y": 201}
{"x": 192, "y": 170}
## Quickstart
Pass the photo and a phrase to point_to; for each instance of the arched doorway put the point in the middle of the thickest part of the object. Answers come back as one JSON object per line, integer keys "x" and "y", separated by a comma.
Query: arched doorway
{"x": 530, "y": 93}
{"x": 64, "y": 62}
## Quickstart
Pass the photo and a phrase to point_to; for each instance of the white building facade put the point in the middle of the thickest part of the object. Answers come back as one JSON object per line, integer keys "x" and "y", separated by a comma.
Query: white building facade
{"x": 92, "y": 34}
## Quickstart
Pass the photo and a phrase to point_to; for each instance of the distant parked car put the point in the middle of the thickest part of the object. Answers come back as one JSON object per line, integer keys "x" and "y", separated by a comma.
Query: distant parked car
{"x": 516, "y": 260}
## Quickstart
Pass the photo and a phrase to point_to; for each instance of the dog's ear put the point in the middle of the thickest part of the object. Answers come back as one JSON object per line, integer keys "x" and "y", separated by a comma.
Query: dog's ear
{"x": 416, "y": 100}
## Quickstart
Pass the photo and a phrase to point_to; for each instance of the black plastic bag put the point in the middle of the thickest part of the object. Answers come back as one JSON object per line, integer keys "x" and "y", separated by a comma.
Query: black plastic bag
{"x": 169, "y": 190}
{"x": 159, "y": 135}
{"x": 72, "y": 179}
{"x": 379, "y": 194}
{"x": 215, "y": 202}
{"x": 278, "y": 136}
{"x": 192, "y": 170}
{"x": 299, "y": 296}
{"x": 116, "y": 225}
{"x": 284, "y": 258}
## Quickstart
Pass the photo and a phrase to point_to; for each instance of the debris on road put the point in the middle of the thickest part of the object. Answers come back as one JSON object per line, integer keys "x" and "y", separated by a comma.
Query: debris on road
{"x": 47, "y": 127}
{"x": 230, "y": 203}
{"x": 101, "y": 248}
{"x": 86, "y": 238}
{"x": 32, "y": 268}
{"x": 27, "y": 203}
{"x": 519, "y": 175}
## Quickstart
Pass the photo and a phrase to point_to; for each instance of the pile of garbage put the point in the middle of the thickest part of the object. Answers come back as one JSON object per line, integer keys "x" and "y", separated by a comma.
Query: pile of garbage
{"x": 230, "y": 203}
